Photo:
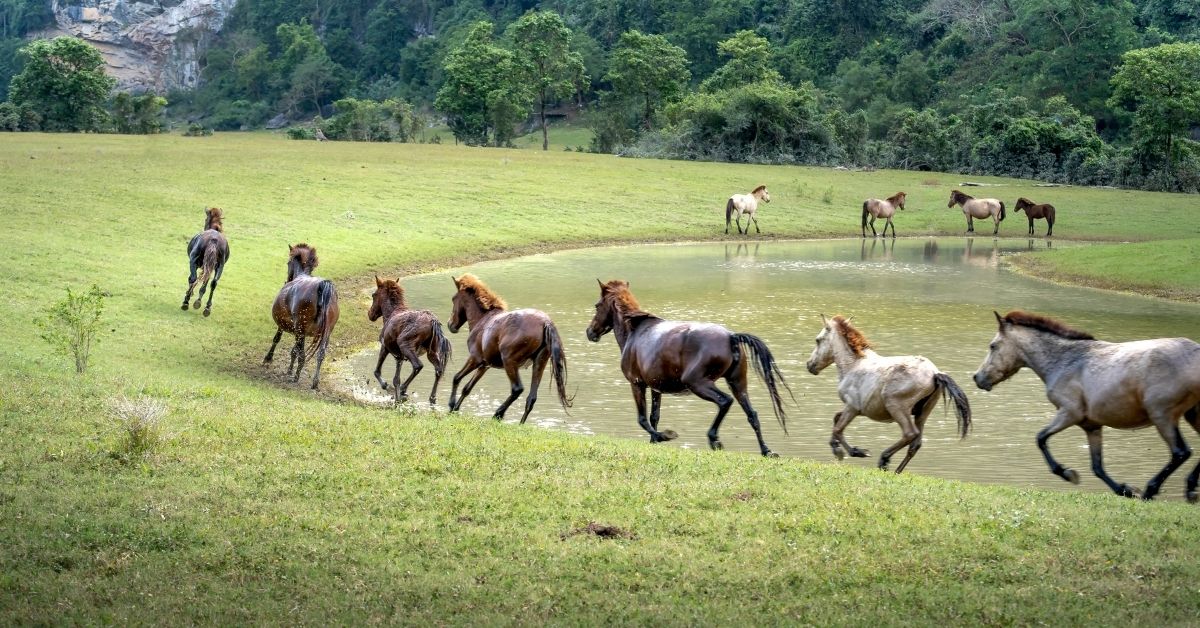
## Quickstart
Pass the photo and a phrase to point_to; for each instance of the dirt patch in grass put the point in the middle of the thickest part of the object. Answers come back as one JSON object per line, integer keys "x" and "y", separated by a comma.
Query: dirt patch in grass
{"x": 600, "y": 530}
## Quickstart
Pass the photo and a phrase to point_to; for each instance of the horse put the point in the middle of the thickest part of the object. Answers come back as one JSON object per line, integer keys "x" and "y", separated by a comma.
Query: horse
{"x": 1033, "y": 212}
{"x": 406, "y": 335}
{"x": 207, "y": 250}
{"x": 306, "y": 306}
{"x": 1096, "y": 384}
{"x": 977, "y": 208}
{"x": 876, "y": 208}
{"x": 901, "y": 389}
{"x": 676, "y": 357}
{"x": 504, "y": 339}
{"x": 747, "y": 205}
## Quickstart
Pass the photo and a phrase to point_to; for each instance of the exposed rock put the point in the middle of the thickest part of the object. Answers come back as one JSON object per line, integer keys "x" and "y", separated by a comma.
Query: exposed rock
{"x": 278, "y": 122}
{"x": 153, "y": 45}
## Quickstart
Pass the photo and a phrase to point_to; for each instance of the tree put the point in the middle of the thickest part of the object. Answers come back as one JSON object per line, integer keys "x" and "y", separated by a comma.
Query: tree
{"x": 484, "y": 95}
{"x": 649, "y": 68}
{"x": 542, "y": 44}
{"x": 138, "y": 114}
{"x": 1162, "y": 86}
{"x": 749, "y": 62}
{"x": 64, "y": 81}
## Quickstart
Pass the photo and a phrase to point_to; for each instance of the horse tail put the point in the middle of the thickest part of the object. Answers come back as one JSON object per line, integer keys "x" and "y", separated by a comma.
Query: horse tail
{"x": 1050, "y": 214}
{"x": 728, "y": 213}
{"x": 962, "y": 408}
{"x": 440, "y": 347}
{"x": 1001, "y": 210}
{"x": 209, "y": 260}
{"x": 558, "y": 361}
{"x": 768, "y": 370}
{"x": 865, "y": 212}
{"x": 326, "y": 298}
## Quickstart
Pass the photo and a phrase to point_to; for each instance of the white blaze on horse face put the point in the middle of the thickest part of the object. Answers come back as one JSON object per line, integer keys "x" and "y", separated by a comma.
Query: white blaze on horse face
{"x": 822, "y": 355}
{"x": 1002, "y": 362}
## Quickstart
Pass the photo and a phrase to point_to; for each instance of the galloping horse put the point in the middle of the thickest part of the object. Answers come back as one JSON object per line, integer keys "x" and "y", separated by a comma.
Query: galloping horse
{"x": 747, "y": 205}
{"x": 305, "y": 306}
{"x": 677, "y": 357}
{"x": 903, "y": 389}
{"x": 208, "y": 250}
{"x": 1096, "y": 384}
{"x": 876, "y": 208}
{"x": 1033, "y": 212}
{"x": 406, "y": 335}
{"x": 978, "y": 208}
{"x": 503, "y": 339}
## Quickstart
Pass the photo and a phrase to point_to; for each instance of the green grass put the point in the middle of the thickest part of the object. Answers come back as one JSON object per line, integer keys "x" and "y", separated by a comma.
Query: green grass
{"x": 268, "y": 503}
{"x": 1163, "y": 268}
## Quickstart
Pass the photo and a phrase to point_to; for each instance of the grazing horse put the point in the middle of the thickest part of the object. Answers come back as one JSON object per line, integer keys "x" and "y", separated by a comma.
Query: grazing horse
{"x": 508, "y": 340}
{"x": 903, "y": 389}
{"x": 306, "y": 306}
{"x": 1096, "y": 384}
{"x": 978, "y": 208}
{"x": 207, "y": 250}
{"x": 677, "y": 357}
{"x": 1033, "y": 212}
{"x": 406, "y": 335}
{"x": 747, "y": 205}
{"x": 875, "y": 208}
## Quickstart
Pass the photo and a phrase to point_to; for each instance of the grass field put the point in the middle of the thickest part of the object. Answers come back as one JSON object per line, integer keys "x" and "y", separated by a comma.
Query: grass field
{"x": 272, "y": 504}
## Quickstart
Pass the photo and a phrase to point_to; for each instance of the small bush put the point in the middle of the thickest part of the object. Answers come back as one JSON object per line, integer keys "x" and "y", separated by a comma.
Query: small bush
{"x": 138, "y": 426}
{"x": 301, "y": 133}
{"x": 197, "y": 130}
{"x": 70, "y": 325}
{"x": 827, "y": 197}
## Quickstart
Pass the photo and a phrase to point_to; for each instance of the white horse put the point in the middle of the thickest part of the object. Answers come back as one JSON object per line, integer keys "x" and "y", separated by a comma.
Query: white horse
{"x": 746, "y": 204}
{"x": 1094, "y": 384}
{"x": 978, "y": 208}
{"x": 903, "y": 389}
{"x": 876, "y": 208}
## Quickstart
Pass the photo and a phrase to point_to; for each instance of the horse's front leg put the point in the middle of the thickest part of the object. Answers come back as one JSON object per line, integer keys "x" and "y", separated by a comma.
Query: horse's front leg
{"x": 970, "y": 224}
{"x": 1062, "y": 420}
{"x": 1031, "y": 227}
{"x": 1096, "y": 448}
{"x": 1180, "y": 452}
{"x": 837, "y": 439}
{"x": 191, "y": 283}
{"x": 383, "y": 354}
{"x": 756, "y": 229}
{"x": 639, "y": 400}
{"x": 471, "y": 365}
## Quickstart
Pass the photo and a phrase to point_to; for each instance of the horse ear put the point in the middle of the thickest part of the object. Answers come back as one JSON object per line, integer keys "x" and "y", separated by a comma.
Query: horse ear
{"x": 601, "y": 284}
{"x": 999, "y": 319}
{"x": 378, "y": 282}
{"x": 456, "y": 284}
{"x": 824, "y": 321}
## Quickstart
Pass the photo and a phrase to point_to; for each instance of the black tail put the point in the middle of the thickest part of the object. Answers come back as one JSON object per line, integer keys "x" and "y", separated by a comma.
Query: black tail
{"x": 728, "y": 213}
{"x": 326, "y": 295}
{"x": 439, "y": 347}
{"x": 1001, "y": 210}
{"x": 962, "y": 408}
{"x": 767, "y": 369}
{"x": 558, "y": 362}
{"x": 865, "y": 212}
{"x": 212, "y": 253}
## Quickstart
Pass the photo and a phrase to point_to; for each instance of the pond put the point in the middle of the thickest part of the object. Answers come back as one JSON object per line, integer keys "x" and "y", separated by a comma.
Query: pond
{"x": 932, "y": 297}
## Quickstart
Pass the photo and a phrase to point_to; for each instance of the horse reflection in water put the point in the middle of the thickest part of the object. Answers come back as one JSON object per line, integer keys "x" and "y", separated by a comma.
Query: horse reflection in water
{"x": 1096, "y": 384}
{"x": 677, "y": 357}
{"x": 884, "y": 253}
{"x": 900, "y": 389}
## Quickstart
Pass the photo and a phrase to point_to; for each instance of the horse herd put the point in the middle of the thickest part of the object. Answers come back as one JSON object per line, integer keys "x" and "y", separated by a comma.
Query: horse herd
{"x": 1094, "y": 384}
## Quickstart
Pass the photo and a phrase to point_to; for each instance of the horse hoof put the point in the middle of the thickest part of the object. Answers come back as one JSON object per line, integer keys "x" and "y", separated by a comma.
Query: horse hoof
{"x": 667, "y": 435}
{"x": 855, "y": 452}
{"x": 184, "y": 306}
{"x": 207, "y": 311}
{"x": 1071, "y": 476}
{"x": 770, "y": 454}
{"x": 196, "y": 305}
{"x": 839, "y": 454}
{"x": 1193, "y": 497}
{"x": 715, "y": 445}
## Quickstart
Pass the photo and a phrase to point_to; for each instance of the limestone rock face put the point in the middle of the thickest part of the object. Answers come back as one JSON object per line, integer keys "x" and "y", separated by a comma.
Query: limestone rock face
{"x": 148, "y": 45}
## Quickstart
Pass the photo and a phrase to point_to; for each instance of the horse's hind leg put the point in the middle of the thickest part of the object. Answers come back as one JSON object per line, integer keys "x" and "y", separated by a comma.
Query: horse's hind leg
{"x": 871, "y": 224}
{"x": 743, "y": 399}
{"x": 191, "y": 283}
{"x": 1049, "y": 227}
{"x": 539, "y": 367}
{"x": 1180, "y": 452}
{"x": 919, "y": 419}
{"x": 909, "y": 434}
{"x": 271, "y": 351}
{"x": 708, "y": 391}
{"x": 1193, "y": 418}
{"x": 297, "y": 357}
{"x": 212, "y": 290}
{"x": 1095, "y": 438}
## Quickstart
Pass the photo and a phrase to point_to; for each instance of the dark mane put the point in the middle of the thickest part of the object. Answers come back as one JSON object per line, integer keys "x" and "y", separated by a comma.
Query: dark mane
{"x": 394, "y": 293}
{"x": 626, "y": 304}
{"x": 1046, "y": 324}
{"x": 758, "y": 189}
{"x": 305, "y": 256}
{"x": 857, "y": 341}
{"x": 487, "y": 299}
{"x": 213, "y": 216}
{"x": 1024, "y": 202}
{"x": 896, "y": 198}
{"x": 960, "y": 197}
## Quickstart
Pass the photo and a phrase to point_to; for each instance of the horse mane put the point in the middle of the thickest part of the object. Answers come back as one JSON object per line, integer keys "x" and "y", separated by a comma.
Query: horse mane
{"x": 758, "y": 189}
{"x": 857, "y": 341}
{"x": 956, "y": 195}
{"x": 306, "y": 256}
{"x": 631, "y": 311}
{"x": 895, "y": 198}
{"x": 213, "y": 216}
{"x": 1024, "y": 202}
{"x": 487, "y": 299}
{"x": 1046, "y": 324}
{"x": 394, "y": 292}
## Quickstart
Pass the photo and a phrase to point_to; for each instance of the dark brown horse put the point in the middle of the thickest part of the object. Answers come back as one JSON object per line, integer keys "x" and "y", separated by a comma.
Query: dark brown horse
{"x": 676, "y": 357}
{"x": 407, "y": 335}
{"x": 1034, "y": 211}
{"x": 208, "y": 251}
{"x": 503, "y": 339}
{"x": 306, "y": 306}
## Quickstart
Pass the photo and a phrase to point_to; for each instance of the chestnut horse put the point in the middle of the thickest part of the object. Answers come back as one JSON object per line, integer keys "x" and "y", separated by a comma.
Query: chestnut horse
{"x": 1034, "y": 211}
{"x": 677, "y": 357}
{"x": 406, "y": 335}
{"x": 746, "y": 204}
{"x": 305, "y": 306}
{"x": 1096, "y": 384}
{"x": 978, "y": 208}
{"x": 207, "y": 250}
{"x": 876, "y": 208}
{"x": 503, "y": 339}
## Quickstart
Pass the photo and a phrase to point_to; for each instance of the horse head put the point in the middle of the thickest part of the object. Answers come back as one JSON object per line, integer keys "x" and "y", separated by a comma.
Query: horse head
{"x": 822, "y": 355}
{"x": 1023, "y": 203}
{"x": 606, "y": 311}
{"x": 388, "y": 296}
{"x": 302, "y": 259}
{"x": 212, "y": 218}
{"x": 762, "y": 194}
{"x": 898, "y": 199}
{"x": 1004, "y": 357}
{"x": 957, "y": 198}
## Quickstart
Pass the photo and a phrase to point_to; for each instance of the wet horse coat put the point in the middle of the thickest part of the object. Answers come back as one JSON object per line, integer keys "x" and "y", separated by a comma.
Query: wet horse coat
{"x": 306, "y": 307}
{"x": 407, "y": 335}
{"x": 208, "y": 251}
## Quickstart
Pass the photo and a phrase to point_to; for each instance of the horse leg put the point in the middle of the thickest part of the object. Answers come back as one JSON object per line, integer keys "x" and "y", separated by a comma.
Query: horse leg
{"x": 298, "y": 356}
{"x": 708, "y": 391}
{"x": 539, "y": 366}
{"x": 322, "y": 347}
{"x": 655, "y": 404}
{"x": 753, "y": 217}
{"x": 383, "y": 354}
{"x": 639, "y": 400}
{"x": 1193, "y": 418}
{"x": 1095, "y": 439}
{"x": 1062, "y": 420}
{"x": 909, "y": 434}
{"x": 396, "y": 381}
{"x": 874, "y": 234}
{"x": 743, "y": 398}
{"x": 970, "y": 224}
{"x": 915, "y": 446}
{"x": 191, "y": 283}
{"x": 271, "y": 351}
{"x": 1031, "y": 227}
{"x": 438, "y": 372}
{"x": 212, "y": 290}
{"x": 892, "y": 225}
{"x": 1180, "y": 452}
{"x": 996, "y": 219}
{"x": 738, "y": 220}
{"x": 467, "y": 368}
{"x": 415, "y": 361}
{"x": 837, "y": 439}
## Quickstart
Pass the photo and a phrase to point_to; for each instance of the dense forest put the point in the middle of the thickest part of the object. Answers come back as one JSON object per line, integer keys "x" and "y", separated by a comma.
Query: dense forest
{"x": 1039, "y": 88}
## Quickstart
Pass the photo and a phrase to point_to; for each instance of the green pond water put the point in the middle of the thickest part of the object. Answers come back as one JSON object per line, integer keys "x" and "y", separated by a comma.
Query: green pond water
{"x": 932, "y": 297}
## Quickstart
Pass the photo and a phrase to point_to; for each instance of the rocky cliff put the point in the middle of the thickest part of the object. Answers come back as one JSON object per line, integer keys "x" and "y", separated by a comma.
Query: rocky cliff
{"x": 154, "y": 45}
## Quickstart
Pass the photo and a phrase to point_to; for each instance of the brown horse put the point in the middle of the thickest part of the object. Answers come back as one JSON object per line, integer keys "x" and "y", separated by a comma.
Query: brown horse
{"x": 406, "y": 335}
{"x": 305, "y": 306}
{"x": 978, "y": 208}
{"x": 1034, "y": 211}
{"x": 503, "y": 339}
{"x": 207, "y": 250}
{"x": 875, "y": 208}
{"x": 676, "y": 357}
